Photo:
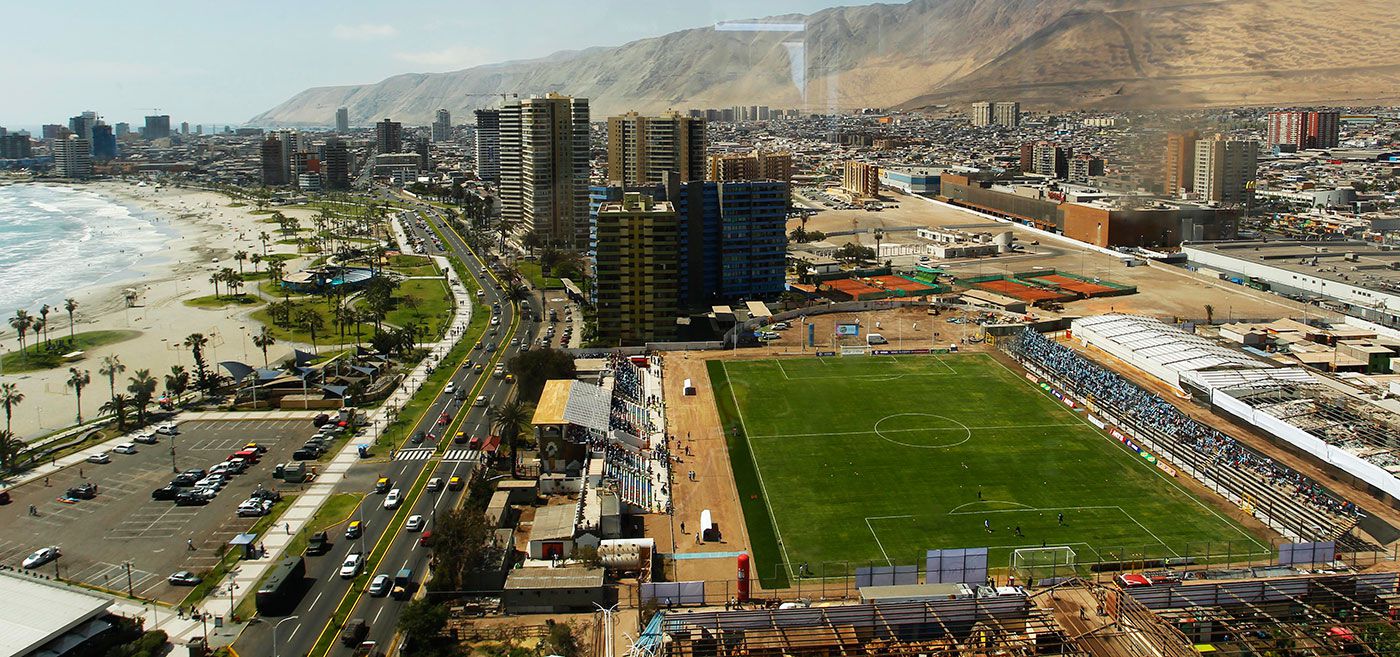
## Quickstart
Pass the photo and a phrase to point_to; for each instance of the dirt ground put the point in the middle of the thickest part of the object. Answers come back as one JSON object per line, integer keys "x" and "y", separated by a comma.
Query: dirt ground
{"x": 1162, "y": 291}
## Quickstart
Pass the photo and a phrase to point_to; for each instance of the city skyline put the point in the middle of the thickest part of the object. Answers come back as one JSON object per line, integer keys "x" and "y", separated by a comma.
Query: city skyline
{"x": 202, "y": 67}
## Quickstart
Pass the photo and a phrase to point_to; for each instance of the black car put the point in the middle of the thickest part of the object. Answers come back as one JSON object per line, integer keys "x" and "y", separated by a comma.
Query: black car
{"x": 83, "y": 492}
{"x": 190, "y": 499}
{"x": 320, "y": 543}
{"x": 266, "y": 494}
{"x": 166, "y": 493}
{"x": 417, "y": 437}
{"x": 321, "y": 419}
{"x": 197, "y": 473}
{"x": 184, "y": 480}
{"x": 304, "y": 454}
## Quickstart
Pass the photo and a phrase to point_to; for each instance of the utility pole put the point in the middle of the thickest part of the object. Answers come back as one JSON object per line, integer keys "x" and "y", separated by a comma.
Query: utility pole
{"x": 128, "y": 579}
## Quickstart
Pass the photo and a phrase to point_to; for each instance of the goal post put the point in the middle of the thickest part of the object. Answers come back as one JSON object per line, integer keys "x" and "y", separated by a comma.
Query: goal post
{"x": 1031, "y": 565}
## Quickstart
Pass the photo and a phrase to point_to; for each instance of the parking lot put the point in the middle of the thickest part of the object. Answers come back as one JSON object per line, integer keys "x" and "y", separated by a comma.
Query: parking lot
{"x": 123, "y": 523}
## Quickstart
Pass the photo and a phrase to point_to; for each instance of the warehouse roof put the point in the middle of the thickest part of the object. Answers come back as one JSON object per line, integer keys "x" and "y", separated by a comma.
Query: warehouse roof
{"x": 554, "y": 578}
{"x": 1165, "y": 345}
{"x": 554, "y": 522}
{"x": 47, "y": 613}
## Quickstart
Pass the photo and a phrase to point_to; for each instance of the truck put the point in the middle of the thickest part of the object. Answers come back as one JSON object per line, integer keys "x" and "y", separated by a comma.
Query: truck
{"x": 320, "y": 543}
{"x": 403, "y": 584}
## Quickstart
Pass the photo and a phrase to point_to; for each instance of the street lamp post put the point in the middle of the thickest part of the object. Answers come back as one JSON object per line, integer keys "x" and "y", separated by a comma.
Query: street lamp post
{"x": 276, "y": 647}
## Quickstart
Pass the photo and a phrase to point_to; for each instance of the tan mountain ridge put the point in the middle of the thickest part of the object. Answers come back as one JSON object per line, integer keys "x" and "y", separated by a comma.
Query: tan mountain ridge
{"x": 1048, "y": 54}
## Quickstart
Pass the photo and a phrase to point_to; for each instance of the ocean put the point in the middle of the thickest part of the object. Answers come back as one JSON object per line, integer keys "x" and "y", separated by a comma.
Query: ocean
{"x": 55, "y": 240}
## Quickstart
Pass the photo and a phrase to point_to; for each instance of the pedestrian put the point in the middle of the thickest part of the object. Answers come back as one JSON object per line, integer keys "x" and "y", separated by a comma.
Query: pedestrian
{"x": 80, "y": 474}
{"x": 1018, "y": 530}
{"x": 987, "y": 525}
{"x": 1060, "y": 517}
{"x": 682, "y": 527}
{"x": 46, "y": 481}
{"x": 979, "y": 493}
{"x": 189, "y": 544}
{"x": 288, "y": 528}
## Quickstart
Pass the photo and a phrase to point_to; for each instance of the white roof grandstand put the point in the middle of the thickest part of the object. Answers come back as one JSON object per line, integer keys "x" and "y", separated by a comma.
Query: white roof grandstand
{"x": 1160, "y": 349}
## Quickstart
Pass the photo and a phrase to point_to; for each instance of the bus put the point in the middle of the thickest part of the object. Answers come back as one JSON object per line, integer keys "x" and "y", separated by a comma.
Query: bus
{"x": 282, "y": 589}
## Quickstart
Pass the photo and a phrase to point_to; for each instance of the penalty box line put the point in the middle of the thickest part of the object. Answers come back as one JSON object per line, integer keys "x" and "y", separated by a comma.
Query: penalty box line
{"x": 1120, "y": 509}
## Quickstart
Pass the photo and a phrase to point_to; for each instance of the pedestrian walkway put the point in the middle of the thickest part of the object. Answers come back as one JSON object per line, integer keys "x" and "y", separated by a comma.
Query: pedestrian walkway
{"x": 245, "y": 578}
{"x": 425, "y": 453}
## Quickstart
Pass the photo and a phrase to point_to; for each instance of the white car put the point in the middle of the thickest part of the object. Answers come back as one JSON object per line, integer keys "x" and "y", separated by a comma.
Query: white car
{"x": 480, "y": 400}
{"x": 392, "y": 500}
{"x": 146, "y": 438}
{"x": 169, "y": 429}
{"x": 451, "y": 388}
{"x": 125, "y": 448}
{"x": 42, "y": 556}
{"x": 352, "y": 565}
{"x": 100, "y": 457}
{"x": 254, "y": 508}
{"x": 415, "y": 523}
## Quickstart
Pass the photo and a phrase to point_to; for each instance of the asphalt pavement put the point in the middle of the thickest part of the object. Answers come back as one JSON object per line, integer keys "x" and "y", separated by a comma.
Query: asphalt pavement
{"x": 326, "y": 589}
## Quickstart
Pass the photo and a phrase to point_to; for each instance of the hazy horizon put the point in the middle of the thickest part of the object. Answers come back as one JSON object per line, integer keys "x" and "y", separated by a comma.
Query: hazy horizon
{"x": 208, "y": 66}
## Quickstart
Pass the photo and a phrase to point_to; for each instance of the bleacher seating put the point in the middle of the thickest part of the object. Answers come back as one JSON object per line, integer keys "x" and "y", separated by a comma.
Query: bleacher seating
{"x": 1281, "y": 496}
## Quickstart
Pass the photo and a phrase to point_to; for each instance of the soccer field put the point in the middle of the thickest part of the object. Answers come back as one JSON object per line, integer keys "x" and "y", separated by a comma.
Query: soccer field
{"x": 873, "y": 460}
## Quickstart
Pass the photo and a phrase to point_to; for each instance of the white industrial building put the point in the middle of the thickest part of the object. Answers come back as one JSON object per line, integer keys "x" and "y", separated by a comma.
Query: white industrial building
{"x": 44, "y": 619}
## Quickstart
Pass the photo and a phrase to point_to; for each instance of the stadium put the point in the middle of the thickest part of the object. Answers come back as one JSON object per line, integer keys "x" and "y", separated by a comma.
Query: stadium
{"x": 942, "y": 452}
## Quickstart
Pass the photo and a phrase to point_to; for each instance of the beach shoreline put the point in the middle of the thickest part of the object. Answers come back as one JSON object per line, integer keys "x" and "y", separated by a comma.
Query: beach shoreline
{"x": 205, "y": 233}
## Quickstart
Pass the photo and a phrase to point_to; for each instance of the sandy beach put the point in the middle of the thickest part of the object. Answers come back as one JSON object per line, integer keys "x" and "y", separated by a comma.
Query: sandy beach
{"x": 207, "y": 231}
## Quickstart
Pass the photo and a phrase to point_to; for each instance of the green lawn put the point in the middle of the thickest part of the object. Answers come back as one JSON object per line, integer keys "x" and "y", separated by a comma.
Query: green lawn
{"x": 531, "y": 271}
{"x": 413, "y": 265}
{"x": 433, "y": 297}
{"x": 38, "y": 356}
{"x": 856, "y": 461}
{"x": 224, "y": 300}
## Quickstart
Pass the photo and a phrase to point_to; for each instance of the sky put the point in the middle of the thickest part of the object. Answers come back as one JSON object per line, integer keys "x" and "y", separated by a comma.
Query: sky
{"x": 224, "y": 62}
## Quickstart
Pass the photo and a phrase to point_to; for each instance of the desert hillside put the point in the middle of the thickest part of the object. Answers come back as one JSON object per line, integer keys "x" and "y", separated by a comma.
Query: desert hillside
{"x": 1045, "y": 53}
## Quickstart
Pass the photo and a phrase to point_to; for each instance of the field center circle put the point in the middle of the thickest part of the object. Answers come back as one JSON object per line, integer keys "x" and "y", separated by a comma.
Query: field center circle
{"x": 953, "y": 435}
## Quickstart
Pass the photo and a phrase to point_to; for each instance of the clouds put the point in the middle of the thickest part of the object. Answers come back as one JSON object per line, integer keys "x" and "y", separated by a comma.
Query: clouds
{"x": 449, "y": 58}
{"x": 364, "y": 32}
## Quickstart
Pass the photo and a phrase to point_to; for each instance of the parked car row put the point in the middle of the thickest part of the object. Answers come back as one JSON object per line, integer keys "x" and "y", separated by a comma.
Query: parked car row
{"x": 197, "y": 486}
{"x": 319, "y": 443}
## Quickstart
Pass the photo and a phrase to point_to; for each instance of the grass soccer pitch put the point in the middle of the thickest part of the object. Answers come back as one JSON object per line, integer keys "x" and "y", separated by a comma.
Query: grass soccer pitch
{"x": 873, "y": 460}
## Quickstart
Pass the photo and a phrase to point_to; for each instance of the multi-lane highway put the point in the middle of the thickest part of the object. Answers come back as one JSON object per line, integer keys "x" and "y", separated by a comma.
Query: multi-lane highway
{"x": 327, "y": 590}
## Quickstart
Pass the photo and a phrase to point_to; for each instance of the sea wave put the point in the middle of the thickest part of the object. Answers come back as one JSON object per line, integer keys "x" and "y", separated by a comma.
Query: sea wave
{"x": 54, "y": 240}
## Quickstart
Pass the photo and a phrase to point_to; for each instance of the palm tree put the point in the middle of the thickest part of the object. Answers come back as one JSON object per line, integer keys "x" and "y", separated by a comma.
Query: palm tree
{"x": 508, "y": 419}
{"x": 255, "y": 259}
{"x": 10, "y": 447}
{"x": 39, "y": 326}
{"x": 312, "y": 322}
{"x": 1210, "y": 314}
{"x": 21, "y": 323}
{"x": 43, "y": 325}
{"x": 117, "y": 407}
{"x": 70, "y": 304}
{"x": 177, "y": 381}
{"x": 233, "y": 282}
{"x": 240, "y": 256}
{"x": 77, "y": 380}
{"x": 10, "y": 397}
{"x": 262, "y": 340}
{"x": 216, "y": 278}
{"x": 143, "y": 389}
{"x": 111, "y": 367}
{"x": 264, "y": 238}
{"x": 197, "y": 342}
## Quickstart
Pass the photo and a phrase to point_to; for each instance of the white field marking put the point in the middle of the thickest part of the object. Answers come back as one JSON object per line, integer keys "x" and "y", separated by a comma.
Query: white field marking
{"x": 1119, "y": 509}
{"x": 1141, "y": 463}
{"x": 872, "y": 431}
{"x": 757, "y": 470}
{"x": 954, "y": 510}
{"x": 942, "y": 362}
{"x": 780, "y": 369}
{"x": 877, "y": 536}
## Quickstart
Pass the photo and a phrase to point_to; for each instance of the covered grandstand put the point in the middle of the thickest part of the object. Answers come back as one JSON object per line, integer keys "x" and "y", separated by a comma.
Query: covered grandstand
{"x": 1155, "y": 347}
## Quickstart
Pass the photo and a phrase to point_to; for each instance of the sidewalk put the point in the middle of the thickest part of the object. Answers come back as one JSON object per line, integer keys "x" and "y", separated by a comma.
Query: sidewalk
{"x": 245, "y": 577}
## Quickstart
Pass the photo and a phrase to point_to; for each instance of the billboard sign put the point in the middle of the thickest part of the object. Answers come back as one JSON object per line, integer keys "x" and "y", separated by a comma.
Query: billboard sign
{"x": 848, "y": 329}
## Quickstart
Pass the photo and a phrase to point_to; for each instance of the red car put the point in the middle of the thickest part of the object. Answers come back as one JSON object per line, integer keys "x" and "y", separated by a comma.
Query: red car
{"x": 249, "y": 455}
{"x": 444, "y": 418}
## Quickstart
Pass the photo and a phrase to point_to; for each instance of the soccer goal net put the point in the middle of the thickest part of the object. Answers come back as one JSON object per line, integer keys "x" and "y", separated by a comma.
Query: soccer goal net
{"x": 854, "y": 350}
{"x": 1031, "y": 565}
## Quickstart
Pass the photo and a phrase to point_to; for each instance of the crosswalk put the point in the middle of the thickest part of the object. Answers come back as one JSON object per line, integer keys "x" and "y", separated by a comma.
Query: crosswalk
{"x": 425, "y": 453}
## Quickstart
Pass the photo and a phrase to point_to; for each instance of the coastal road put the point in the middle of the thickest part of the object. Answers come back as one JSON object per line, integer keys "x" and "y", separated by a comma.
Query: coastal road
{"x": 327, "y": 590}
